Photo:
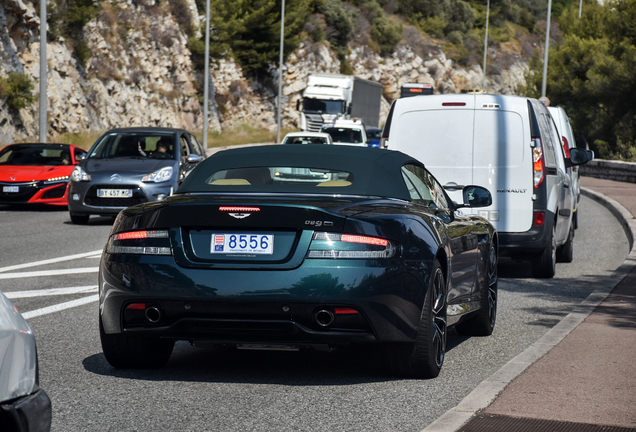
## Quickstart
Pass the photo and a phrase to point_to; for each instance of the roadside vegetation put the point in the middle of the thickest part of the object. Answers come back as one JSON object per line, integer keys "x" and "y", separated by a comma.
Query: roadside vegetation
{"x": 17, "y": 91}
{"x": 244, "y": 134}
{"x": 591, "y": 74}
{"x": 591, "y": 63}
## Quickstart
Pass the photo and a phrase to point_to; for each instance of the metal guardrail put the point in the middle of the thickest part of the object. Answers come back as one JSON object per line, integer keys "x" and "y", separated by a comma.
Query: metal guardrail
{"x": 610, "y": 170}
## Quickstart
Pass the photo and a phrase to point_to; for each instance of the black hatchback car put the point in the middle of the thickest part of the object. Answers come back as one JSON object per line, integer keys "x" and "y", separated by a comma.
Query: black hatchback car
{"x": 130, "y": 166}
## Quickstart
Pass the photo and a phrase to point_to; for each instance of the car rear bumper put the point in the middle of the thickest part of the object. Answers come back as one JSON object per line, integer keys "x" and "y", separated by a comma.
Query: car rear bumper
{"x": 526, "y": 244}
{"x": 261, "y": 306}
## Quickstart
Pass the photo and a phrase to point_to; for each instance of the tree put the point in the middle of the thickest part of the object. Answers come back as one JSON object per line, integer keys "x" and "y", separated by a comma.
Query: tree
{"x": 250, "y": 30}
{"x": 591, "y": 74}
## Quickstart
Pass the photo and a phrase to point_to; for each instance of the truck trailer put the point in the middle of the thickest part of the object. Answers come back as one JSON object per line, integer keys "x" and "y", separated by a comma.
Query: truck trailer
{"x": 329, "y": 97}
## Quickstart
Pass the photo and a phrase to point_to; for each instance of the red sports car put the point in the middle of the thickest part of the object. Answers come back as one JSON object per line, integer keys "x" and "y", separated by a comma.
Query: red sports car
{"x": 36, "y": 173}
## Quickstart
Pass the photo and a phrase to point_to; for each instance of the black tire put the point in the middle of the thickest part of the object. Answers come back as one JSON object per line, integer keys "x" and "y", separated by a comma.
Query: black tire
{"x": 424, "y": 358}
{"x": 79, "y": 219}
{"x": 544, "y": 265}
{"x": 565, "y": 253}
{"x": 482, "y": 322}
{"x": 133, "y": 352}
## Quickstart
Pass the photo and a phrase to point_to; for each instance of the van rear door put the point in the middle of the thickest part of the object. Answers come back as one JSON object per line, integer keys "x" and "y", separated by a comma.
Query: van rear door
{"x": 438, "y": 131}
{"x": 502, "y": 160}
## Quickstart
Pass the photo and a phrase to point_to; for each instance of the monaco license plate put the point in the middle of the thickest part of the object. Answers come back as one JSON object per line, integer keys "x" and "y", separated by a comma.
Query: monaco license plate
{"x": 242, "y": 243}
{"x": 114, "y": 193}
{"x": 10, "y": 189}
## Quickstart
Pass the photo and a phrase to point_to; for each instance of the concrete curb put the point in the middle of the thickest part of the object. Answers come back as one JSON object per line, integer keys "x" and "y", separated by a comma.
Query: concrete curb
{"x": 488, "y": 390}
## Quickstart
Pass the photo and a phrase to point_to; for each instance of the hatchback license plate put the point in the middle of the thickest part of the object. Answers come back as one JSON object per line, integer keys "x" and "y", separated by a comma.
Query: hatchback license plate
{"x": 242, "y": 243}
{"x": 10, "y": 189}
{"x": 114, "y": 193}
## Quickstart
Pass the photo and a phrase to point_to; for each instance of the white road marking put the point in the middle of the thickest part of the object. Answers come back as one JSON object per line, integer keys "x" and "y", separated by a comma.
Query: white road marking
{"x": 51, "y": 292}
{"x": 60, "y": 307}
{"x": 51, "y": 261}
{"x": 49, "y": 273}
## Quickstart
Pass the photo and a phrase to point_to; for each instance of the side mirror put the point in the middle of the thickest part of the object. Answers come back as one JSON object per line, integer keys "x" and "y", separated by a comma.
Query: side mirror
{"x": 579, "y": 156}
{"x": 80, "y": 157}
{"x": 194, "y": 158}
{"x": 476, "y": 196}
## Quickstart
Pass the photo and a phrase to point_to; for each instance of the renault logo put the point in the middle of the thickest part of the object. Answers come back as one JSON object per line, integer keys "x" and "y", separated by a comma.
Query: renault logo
{"x": 115, "y": 177}
{"x": 12, "y": 178}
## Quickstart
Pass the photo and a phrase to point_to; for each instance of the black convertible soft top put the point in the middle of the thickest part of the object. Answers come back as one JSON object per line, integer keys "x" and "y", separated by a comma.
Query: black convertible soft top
{"x": 376, "y": 171}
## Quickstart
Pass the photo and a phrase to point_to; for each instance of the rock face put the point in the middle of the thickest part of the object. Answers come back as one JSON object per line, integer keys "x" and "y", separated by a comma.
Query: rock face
{"x": 140, "y": 73}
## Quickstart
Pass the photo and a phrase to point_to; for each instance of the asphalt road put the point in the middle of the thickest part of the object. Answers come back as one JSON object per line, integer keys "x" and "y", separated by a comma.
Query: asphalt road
{"x": 209, "y": 389}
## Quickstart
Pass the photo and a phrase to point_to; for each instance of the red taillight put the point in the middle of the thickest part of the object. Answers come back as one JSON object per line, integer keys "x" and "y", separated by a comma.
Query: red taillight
{"x": 537, "y": 160}
{"x": 345, "y": 311}
{"x": 136, "y": 235}
{"x": 364, "y": 239}
{"x": 147, "y": 242}
{"x": 239, "y": 209}
{"x": 349, "y": 246}
{"x": 539, "y": 218}
{"x": 451, "y": 104}
{"x": 132, "y": 235}
{"x": 137, "y": 306}
{"x": 566, "y": 147}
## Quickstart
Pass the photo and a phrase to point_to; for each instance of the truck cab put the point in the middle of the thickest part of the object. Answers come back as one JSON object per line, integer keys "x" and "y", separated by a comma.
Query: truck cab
{"x": 329, "y": 97}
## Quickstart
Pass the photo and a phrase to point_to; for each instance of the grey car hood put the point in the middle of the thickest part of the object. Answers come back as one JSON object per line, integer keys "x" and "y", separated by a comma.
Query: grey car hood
{"x": 18, "y": 356}
{"x": 125, "y": 166}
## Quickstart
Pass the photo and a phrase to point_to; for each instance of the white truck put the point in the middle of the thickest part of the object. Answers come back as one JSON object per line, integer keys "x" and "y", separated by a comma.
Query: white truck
{"x": 329, "y": 97}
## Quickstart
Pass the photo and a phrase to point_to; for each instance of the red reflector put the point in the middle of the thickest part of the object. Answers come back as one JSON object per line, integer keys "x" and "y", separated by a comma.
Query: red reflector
{"x": 364, "y": 239}
{"x": 239, "y": 209}
{"x": 454, "y": 104}
{"x": 566, "y": 147}
{"x": 345, "y": 311}
{"x": 539, "y": 218}
{"x": 137, "y": 306}
{"x": 415, "y": 90}
{"x": 132, "y": 235}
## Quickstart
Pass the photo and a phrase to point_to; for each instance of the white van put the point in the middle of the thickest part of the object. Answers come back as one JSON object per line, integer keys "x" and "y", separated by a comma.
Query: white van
{"x": 562, "y": 122}
{"x": 508, "y": 144}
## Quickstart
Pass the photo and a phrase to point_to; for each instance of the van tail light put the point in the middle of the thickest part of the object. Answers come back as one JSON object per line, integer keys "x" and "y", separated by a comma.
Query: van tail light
{"x": 566, "y": 147}
{"x": 350, "y": 246}
{"x": 538, "y": 161}
{"x": 145, "y": 242}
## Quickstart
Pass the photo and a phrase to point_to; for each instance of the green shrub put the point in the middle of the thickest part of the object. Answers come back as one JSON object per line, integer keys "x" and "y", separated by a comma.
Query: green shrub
{"x": 68, "y": 18}
{"x": 459, "y": 15}
{"x": 433, "y": 26}
{"x": 386, "y": 32}
{"x": 340, "y": 21}
{"x": 17, "y": 89}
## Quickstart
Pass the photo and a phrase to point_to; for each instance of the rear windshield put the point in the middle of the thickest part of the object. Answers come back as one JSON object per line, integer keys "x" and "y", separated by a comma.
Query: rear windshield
{"x": 296, "y": 179}
{"x": 36, "y": 154}
{"x": 305, "y": 140}
{"x": 135, "y": 145}
{"x": 348, "y": 135}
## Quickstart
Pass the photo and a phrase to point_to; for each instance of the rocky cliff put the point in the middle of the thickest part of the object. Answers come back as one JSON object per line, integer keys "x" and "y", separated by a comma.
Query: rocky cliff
{"x": 140, "y": 73}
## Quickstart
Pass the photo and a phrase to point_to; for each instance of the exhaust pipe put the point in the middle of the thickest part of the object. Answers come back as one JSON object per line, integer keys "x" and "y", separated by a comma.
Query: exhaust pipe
{"x": 324, "y": 317}
{"x": 153, "y": 314}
